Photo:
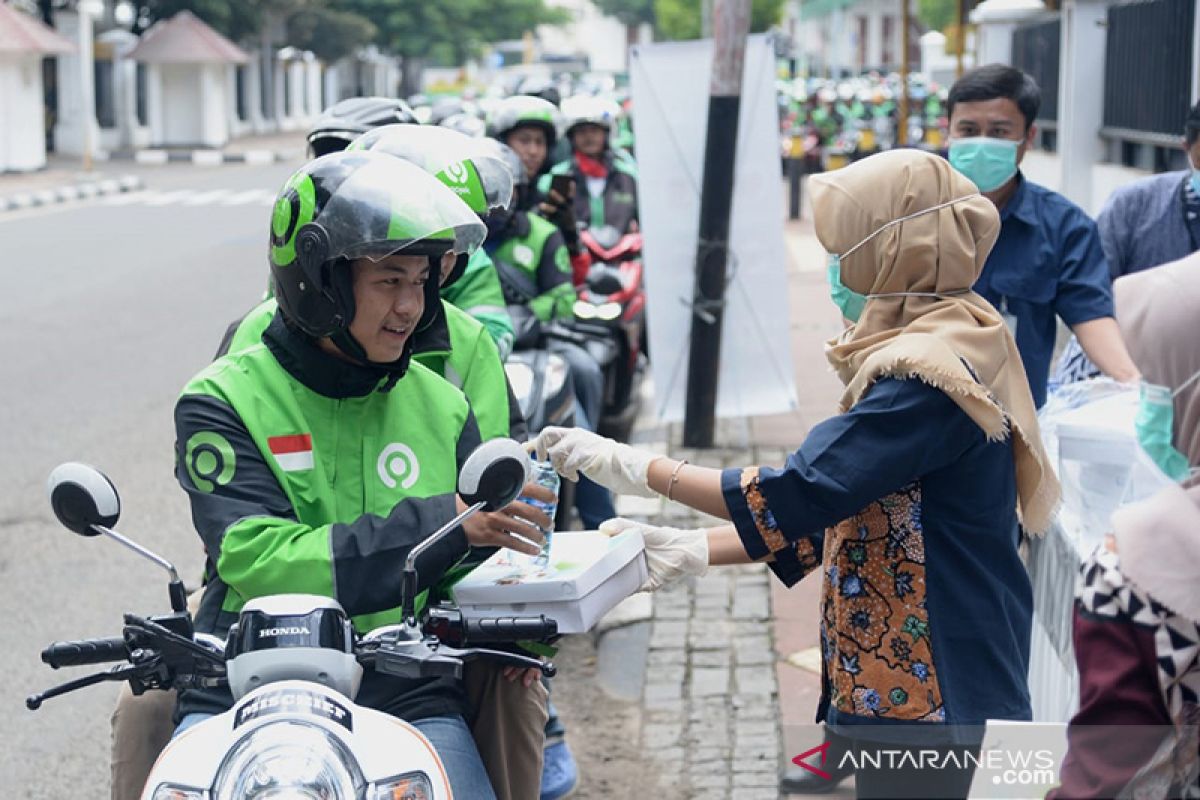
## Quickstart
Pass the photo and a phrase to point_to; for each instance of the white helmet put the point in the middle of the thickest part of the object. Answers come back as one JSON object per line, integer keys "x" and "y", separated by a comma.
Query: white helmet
{"x": 585, "y": 110}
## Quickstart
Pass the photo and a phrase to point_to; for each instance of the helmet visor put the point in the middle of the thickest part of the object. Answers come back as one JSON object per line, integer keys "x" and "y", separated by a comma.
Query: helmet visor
{"x": 392, "y": 206}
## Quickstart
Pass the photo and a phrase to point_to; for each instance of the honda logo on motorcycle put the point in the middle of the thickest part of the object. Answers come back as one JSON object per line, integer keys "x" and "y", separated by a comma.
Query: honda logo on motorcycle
{"x": 398, "y": 464}
{"x": 290, "y": 631}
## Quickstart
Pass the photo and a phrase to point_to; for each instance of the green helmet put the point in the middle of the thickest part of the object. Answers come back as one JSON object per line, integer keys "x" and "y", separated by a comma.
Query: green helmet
{"x": 521, "y": 110}
{"x": 351, "y": 205}
{"x": 480, "y": 180}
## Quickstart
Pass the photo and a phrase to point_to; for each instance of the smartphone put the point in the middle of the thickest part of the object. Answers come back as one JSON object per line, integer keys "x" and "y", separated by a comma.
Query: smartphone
{"x": 562, "y": 184}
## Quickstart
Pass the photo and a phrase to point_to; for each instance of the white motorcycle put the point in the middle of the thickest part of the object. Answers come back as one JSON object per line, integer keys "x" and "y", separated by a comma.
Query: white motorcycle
{"x": 293, "y": 664}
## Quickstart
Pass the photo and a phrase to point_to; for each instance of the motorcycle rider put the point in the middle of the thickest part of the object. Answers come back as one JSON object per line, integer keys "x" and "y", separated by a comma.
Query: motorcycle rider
{"x": 529, "y": 126}
{"x": 606, "y": 185}
{"x": 453, "y": 344}
{"x": 355, "y": 240}
{"x": 476, "y": 291}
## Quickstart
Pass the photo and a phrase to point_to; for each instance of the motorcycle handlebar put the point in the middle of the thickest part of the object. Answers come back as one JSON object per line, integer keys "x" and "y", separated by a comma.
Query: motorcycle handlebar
{"x": 85, "y": 651}
{"x": 509, "y": 629}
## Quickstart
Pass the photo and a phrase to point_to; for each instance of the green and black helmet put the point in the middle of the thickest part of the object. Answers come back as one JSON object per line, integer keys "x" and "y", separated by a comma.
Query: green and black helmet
{"x": 522, "y": 110}
{"x": 480, "y": 180}
{"x": 350, "y": 205}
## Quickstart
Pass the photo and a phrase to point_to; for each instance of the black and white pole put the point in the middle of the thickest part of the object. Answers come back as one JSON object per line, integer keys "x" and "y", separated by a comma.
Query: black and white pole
{"x": 731, "y": 22}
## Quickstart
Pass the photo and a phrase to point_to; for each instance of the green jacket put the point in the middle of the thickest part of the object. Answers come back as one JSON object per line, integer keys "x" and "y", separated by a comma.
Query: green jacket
{"x": 615, "y": 206}
{"x": 306, "y": 474}
{"x": 455, "y": 346}
{"x": 535, "y": 267}
{"x": 478, "y": 293}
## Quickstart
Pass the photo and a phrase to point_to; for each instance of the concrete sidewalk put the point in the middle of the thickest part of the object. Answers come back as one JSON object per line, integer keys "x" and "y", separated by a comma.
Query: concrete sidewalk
{"x": 732, "y": 676}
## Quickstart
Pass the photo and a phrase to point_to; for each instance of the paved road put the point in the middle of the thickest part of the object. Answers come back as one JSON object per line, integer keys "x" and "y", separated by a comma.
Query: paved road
{"x": 108, "y": 306}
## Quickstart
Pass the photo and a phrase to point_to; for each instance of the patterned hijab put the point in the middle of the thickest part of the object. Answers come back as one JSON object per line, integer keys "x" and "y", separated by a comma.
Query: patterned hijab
{"x": 946, "y": 335}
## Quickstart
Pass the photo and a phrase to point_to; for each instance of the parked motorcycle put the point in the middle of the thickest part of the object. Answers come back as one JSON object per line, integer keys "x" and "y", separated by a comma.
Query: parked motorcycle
{"x": 612, "y": 305}
{"x": 293, "y": 664}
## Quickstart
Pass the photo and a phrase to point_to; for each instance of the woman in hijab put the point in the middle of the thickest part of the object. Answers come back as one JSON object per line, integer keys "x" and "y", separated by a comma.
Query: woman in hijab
{"x": 1137, "y": 607}
{"x": 909, "y": 500}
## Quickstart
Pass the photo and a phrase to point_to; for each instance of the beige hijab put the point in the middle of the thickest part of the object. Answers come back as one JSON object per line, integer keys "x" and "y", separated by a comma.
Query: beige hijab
{"x": 1159, "y": 314}
{"x": 929, "y": 337}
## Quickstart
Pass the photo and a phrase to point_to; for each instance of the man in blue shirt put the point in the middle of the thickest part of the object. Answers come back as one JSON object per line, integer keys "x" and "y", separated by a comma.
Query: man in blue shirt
{"x": 1048, "y": 262}
{"x": 1155, "y": 220}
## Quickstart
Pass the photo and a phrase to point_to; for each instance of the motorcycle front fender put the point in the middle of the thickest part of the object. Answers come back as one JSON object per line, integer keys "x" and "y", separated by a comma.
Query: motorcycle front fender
{"x": 383, "y": 745}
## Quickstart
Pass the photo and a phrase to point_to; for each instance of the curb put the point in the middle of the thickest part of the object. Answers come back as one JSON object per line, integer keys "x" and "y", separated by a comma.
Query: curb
{"x": 205, "y": 158}
{"x": 77, "y": 191}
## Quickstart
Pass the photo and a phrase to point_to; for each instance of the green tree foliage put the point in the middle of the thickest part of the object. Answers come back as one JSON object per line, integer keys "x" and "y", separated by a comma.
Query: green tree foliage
{"x": 681, "y": 19}
{"x": 937, "y": 15}
{"x": 329, "y": 34}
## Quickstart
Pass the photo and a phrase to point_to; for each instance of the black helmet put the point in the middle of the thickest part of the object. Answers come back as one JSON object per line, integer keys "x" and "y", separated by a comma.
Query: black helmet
{"x": 521, "y": 110}
{"x": 350, "y": 205}
{"x": 339, "y": 124}
{"x": 538, "y": 86}
{"x": 479, "y": 179}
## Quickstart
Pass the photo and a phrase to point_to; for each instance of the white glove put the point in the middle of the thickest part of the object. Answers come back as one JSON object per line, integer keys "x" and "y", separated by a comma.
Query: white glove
{"x": 671, "y": 553}
{"x": 614, "y": 466}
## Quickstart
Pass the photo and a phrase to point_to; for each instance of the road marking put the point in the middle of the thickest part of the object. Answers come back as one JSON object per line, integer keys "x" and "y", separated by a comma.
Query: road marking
{"x": 167, "y": 198}
{"x": 243, "y": 198}
{"x": 205, "y": 198}
{"x": 128, "y": 198}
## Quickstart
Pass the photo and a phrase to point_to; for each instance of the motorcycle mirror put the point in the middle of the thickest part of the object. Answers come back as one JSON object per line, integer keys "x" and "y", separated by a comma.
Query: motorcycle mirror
{"x": 83, "y": 498}
{"x": 494, "y": 474}
{"x": 86, "y": 502}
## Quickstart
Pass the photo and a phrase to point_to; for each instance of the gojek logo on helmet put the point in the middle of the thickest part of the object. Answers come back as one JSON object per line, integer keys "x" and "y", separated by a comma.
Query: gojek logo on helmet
{"x": 398, "y": 464}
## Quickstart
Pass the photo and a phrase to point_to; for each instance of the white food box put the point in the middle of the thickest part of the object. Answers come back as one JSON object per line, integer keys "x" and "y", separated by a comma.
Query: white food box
{"x": 1100, "y": 432}
{"x": 591, "y": 572}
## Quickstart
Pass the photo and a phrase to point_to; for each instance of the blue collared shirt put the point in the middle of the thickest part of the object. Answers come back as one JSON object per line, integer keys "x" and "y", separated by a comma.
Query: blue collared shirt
{"x": 1047, "y": 262}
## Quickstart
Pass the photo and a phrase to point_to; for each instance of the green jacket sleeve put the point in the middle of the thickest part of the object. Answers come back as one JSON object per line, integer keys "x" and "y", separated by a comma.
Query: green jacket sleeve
{"x": 258, "y": 546}
{"x": 478, "y": 293}
{"x": 557, "y": 298}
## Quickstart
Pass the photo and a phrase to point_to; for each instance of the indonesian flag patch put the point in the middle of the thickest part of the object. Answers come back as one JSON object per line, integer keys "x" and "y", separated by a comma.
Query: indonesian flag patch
{"x": 292, "y": 453}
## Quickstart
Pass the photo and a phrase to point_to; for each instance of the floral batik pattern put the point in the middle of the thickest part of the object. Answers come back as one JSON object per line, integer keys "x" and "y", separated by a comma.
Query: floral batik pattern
{"x": 799, "y": 556}
{"x": 875, "y": 624}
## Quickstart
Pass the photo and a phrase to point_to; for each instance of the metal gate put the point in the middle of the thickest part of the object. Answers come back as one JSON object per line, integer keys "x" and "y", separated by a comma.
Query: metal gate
{"x": 1148, "y": 67}
{"x": 1035, "y": 49}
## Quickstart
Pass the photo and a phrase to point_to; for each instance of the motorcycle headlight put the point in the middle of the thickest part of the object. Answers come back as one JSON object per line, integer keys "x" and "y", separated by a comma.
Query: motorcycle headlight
{"x": 584, "y": 310}
{"x": 608, "y": 311}
{"x": 288, "y": 761}
{"x": 413, "y": 786}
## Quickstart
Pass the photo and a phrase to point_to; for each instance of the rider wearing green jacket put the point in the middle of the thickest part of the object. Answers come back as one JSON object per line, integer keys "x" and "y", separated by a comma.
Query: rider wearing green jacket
{"x": 315, "y": 460}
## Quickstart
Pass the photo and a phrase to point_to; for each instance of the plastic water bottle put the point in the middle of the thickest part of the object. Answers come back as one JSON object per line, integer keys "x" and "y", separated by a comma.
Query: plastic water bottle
{"x": 543, "y": 474}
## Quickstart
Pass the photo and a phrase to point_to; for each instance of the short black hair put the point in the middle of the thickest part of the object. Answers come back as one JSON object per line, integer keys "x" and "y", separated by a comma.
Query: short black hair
{"x": 1191, "y": 128}
{"x": 997, "y": 80}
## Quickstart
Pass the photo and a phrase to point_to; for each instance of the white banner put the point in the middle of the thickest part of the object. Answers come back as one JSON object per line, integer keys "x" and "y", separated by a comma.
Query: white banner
{"x": 670, "y": 84}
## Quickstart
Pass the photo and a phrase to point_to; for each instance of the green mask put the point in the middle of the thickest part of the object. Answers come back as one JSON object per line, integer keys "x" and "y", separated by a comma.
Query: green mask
{"x": 849, "y": 302}
{"x": 988, "y": 162}
{"x": 1154, "y": 428}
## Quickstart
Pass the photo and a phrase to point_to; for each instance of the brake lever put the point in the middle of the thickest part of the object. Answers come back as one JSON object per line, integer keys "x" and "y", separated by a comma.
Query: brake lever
{"x": 117, "y": 673}
{"x": 547, "y": 668}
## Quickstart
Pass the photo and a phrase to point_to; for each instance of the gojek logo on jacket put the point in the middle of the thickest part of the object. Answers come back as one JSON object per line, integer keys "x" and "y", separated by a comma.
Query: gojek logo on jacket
{"x": 209, "y": 460}
{"x": 398, "y": 464}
